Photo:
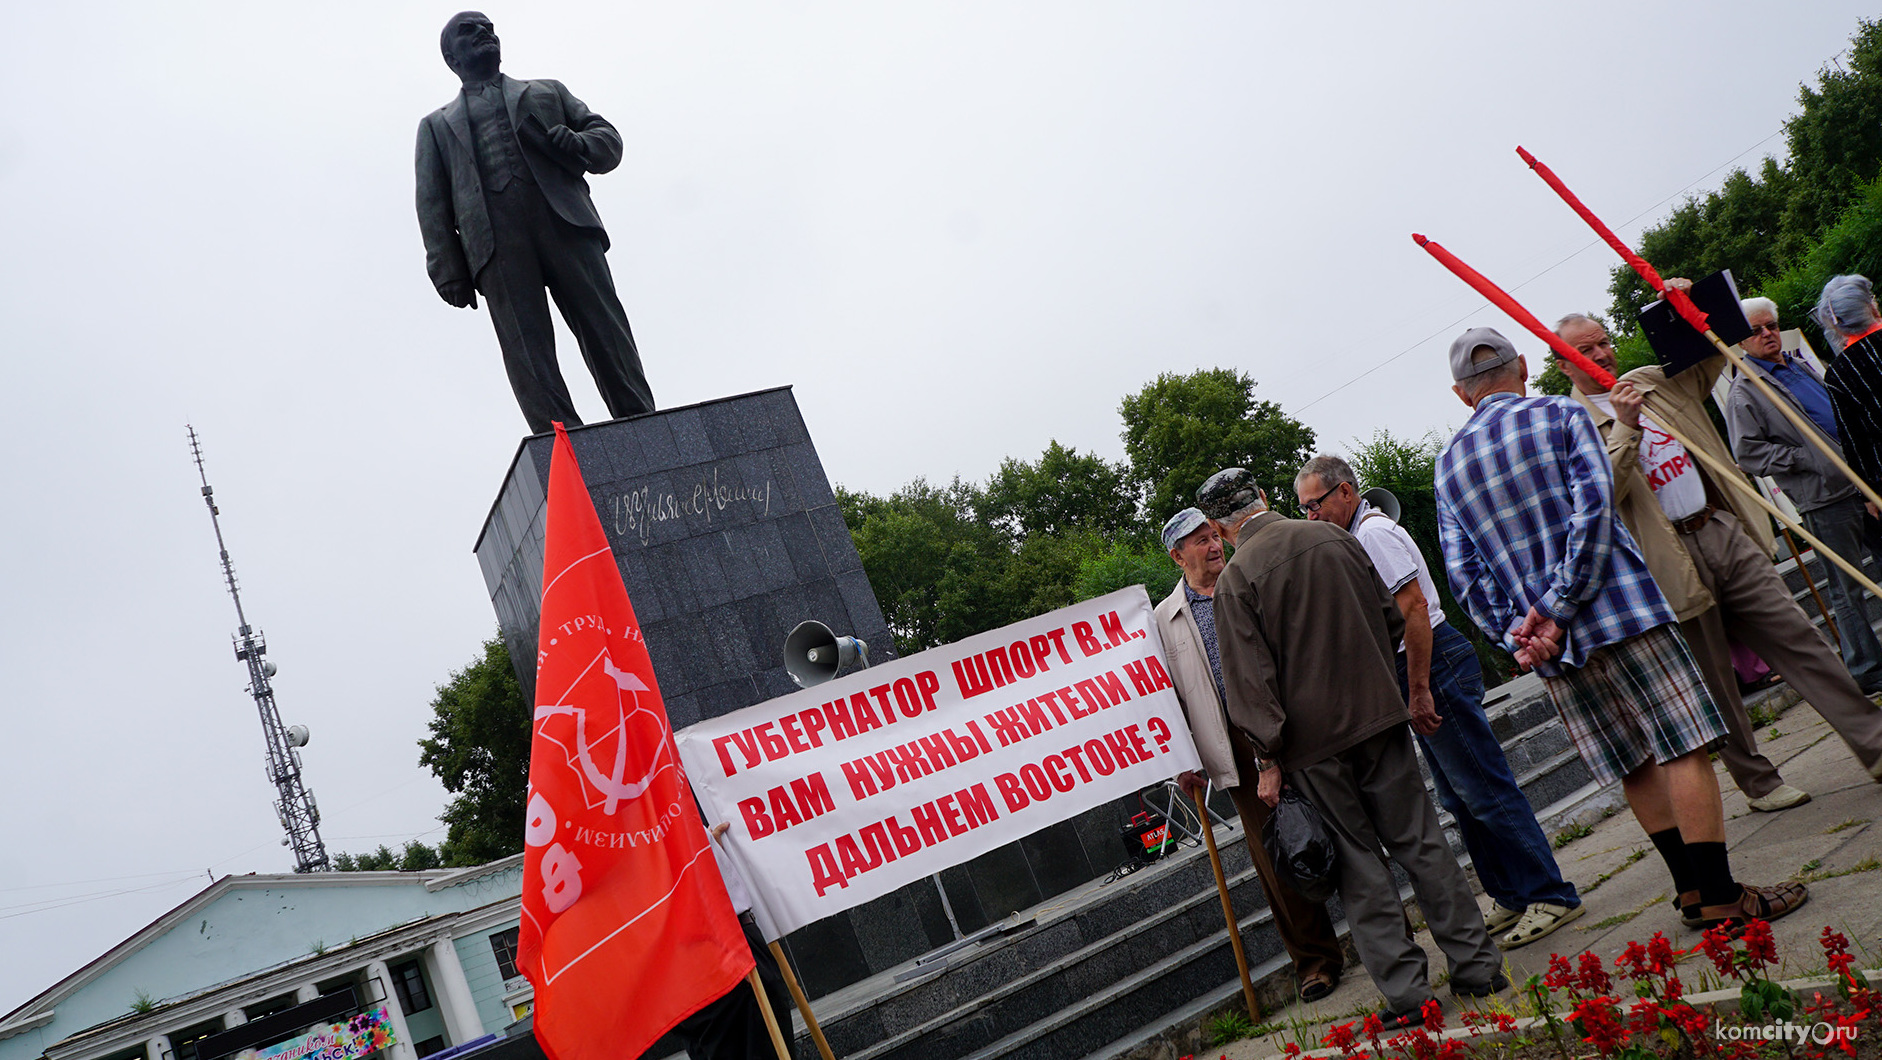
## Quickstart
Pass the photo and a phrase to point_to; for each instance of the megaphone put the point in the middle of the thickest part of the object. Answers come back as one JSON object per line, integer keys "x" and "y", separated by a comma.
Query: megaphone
{"x": 1381, "y": 498}
{"x": 813, "y": 654}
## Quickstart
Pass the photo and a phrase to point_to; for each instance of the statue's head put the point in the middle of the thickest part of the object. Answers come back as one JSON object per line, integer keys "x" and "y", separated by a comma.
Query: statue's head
{"x": 470, "y": 46}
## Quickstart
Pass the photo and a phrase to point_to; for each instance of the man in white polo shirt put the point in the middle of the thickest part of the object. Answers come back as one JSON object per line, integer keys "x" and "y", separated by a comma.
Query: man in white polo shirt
{"x": 1442, "y": 681}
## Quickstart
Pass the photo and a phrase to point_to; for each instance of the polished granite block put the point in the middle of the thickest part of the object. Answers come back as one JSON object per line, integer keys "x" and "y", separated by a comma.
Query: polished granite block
{"x": 726, "y": 532}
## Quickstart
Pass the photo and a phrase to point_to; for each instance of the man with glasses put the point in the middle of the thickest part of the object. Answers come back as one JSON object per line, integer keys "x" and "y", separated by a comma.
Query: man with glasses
{"x": 1442, "y": 682}
{"x": 1709, "y": 548}
{"x": 1766, "y": 442}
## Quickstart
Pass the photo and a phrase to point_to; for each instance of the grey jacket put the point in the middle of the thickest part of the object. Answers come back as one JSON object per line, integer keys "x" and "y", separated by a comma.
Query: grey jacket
{"x": 1195, "y": 687}
{"x": 1766, "y": 442}
{"x": 452, "y": 214}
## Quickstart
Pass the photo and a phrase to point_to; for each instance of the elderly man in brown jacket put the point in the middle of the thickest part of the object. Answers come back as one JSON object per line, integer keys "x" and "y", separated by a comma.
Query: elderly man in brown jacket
{"x": 1709, "y": 549}
{"x": 1186, "y": 621}
{"x": 1308, "y": 635}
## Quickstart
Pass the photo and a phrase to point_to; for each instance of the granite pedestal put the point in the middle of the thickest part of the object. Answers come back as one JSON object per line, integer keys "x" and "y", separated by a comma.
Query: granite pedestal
{"x": 727, "y": 534}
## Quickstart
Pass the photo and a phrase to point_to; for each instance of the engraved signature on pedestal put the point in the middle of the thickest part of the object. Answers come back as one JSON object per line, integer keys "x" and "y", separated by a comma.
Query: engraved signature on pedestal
{"x": 637, "y": 510}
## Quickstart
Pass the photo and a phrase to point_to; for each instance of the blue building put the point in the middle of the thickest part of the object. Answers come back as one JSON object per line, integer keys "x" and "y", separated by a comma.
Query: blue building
{"x": 253, "y": 961}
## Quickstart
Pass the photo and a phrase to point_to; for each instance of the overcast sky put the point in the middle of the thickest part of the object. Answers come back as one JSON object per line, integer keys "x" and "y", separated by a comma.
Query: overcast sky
{"x": 960, "y": 231}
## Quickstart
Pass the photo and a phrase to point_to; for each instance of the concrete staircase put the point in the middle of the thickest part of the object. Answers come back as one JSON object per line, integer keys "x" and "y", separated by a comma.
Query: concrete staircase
{"x": 1111, "y": 969}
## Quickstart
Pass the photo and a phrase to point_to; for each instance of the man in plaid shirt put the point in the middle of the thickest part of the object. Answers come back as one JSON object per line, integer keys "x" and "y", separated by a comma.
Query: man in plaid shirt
{"x": 1536, "y": 554}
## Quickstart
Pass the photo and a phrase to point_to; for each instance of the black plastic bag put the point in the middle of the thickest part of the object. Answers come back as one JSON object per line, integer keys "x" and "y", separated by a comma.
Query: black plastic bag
{"x": 1297, "y": 842}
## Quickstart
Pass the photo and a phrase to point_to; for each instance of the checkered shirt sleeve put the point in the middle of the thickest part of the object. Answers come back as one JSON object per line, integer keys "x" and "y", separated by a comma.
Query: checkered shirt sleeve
{"x": 1526, "y": 518}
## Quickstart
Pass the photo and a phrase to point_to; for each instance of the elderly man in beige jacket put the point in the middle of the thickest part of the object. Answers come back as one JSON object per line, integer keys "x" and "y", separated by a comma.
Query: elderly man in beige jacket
{"x": 1709, "y": 549}
{"x": 1186, "y": 620}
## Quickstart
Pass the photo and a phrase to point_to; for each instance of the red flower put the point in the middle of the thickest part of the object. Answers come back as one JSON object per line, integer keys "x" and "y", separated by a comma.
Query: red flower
{"x": 1291, "y": 1050}
{"x": 1644, "y": 1017}
{"x": 1434, "y": 1016}
{"x": 1760, "y": 947}
{"x": 1833, "y": 942}
{"x": 1593, "y": 977}
{"x": 1633, "y": 962}
{"x": 1718, "y": 946}
{"x": 1505, "y": 1022}
{"x": 1660, "y": 953}
{"x": 1339, "y": 1036}
{"x": 1600, "y": 1020}
{"x": 1559, "y": 976}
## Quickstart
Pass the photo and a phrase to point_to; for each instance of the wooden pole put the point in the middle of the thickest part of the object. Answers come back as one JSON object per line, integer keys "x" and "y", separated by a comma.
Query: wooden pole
{"x": 1828, "y": 620}
{"x": 803, "y": 1003}
{"x": 771, "y": 1019}
{"x": 1228, "y": 910}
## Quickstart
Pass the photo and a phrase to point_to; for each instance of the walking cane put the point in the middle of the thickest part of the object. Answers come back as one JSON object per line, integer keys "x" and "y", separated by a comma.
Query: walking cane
{"x": 771, "y": 1019}
{"x": 803, "y": 1004}
{"x": 1726, "y": 473}
{"x": 1228, "y": 909}
{"x": 1791, "y": 542}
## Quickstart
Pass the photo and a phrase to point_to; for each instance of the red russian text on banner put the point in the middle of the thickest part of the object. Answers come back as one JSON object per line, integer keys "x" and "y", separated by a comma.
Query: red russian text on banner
{"x": 846, "y": 791}
{"x": 626, "y": 925}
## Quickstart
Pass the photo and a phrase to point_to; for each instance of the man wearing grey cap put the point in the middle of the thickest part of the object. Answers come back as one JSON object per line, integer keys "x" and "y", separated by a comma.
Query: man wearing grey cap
{"x": 1187, "y": 622}
{"x": 1537, "y": 556}
{"x": 1308, "y": 635}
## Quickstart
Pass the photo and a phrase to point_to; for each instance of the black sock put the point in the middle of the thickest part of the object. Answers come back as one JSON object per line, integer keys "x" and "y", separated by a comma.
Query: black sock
{"x": 1673, "y": 851}
{"x": 1713, "y": 873}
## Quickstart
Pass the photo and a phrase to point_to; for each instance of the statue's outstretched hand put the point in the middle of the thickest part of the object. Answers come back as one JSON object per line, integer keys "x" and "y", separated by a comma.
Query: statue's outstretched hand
{"x": 460, "y": 293}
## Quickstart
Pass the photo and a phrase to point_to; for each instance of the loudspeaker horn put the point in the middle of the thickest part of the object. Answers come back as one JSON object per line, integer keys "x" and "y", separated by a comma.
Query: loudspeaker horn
{"x": 1381, "y": 498}
{"x": 813, "y": 654}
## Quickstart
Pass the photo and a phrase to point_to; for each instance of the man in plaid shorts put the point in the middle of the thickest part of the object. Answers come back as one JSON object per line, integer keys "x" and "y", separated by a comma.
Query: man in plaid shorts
{"x": 1536, "y": 555}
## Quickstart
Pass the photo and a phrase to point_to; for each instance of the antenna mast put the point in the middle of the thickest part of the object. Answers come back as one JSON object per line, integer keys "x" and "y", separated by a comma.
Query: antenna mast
{"x": 295, "y": 808}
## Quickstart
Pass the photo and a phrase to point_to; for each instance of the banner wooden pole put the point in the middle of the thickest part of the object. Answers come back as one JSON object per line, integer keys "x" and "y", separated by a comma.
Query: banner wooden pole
{"x": 803, "y": 1003}
{"x": 771, "y": 1019}
{"x": 1228, "y": 910}
{"x": 1828, "y": 620}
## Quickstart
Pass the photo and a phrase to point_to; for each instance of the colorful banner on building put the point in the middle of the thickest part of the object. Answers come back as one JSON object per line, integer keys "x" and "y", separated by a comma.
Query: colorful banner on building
{"x": 361, "y": 1035}
{"x": 841, "y": 793}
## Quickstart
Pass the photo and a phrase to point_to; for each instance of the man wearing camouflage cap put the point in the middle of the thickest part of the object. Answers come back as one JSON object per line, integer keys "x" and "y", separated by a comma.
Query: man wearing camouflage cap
{"x": 1308, "y": 635}
{"x": 1186, "y": 621}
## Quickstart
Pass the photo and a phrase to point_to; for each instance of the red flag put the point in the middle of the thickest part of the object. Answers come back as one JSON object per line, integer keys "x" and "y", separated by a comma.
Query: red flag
{"x": 626, "y": 927}
{"x": 1681, "y": 301}
{"x": 1502, "y": 300}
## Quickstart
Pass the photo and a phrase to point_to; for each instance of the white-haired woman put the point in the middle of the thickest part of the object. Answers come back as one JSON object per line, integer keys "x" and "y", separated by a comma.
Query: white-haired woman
{"x": 1850, "y": 319}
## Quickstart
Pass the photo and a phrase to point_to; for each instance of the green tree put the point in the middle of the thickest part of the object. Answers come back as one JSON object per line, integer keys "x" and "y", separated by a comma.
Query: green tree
{"x": 415, "y": 857}
{"x": 1062, "y": 493}
{"x": 936, "y": 568}
{"x": 1761, "y": 226}
{"x": 1125, "y": 564}
{"x": 1853, "y": 244}
{"x": 479, "y": 748}
{"x": 1180, "y": 429}
{"x": 1409, "y": 470}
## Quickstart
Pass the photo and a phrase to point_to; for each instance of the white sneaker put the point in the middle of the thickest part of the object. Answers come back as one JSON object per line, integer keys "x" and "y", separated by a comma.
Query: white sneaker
{"x": 1783, "y": 797}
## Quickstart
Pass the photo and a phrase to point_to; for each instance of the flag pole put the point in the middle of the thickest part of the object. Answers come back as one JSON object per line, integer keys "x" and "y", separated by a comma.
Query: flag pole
{"x": 771, "y": 1019}
{"x": 803, "y": 1003}
{"x": 1228, "y": 909}
{"x": 1812, "y": 583}
{"x": 1726, "y": 473}
{"x": 1683, "y": 304}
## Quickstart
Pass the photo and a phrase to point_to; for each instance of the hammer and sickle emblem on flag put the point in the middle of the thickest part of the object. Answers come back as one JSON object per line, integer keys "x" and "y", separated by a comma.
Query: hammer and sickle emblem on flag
{"x": 613, "y": 785}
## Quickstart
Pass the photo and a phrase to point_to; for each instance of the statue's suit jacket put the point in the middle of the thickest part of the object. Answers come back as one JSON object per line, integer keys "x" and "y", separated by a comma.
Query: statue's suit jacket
{"x": 451, "y": 210}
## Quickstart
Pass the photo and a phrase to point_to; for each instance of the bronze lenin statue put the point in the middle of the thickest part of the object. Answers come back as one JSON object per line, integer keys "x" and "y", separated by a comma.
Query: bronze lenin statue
{"x": 505, "y": 211}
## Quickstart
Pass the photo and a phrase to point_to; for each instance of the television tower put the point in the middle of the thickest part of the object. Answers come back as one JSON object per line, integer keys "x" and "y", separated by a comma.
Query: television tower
{"x": 296, "y": 809}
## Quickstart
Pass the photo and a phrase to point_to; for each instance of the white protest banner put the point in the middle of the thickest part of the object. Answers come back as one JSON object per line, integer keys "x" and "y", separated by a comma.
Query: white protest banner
{"x": 842, "y": 793}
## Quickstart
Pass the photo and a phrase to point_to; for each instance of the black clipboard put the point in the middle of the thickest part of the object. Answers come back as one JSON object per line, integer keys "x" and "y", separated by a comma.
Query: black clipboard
{"x": 1675, "y": 342}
